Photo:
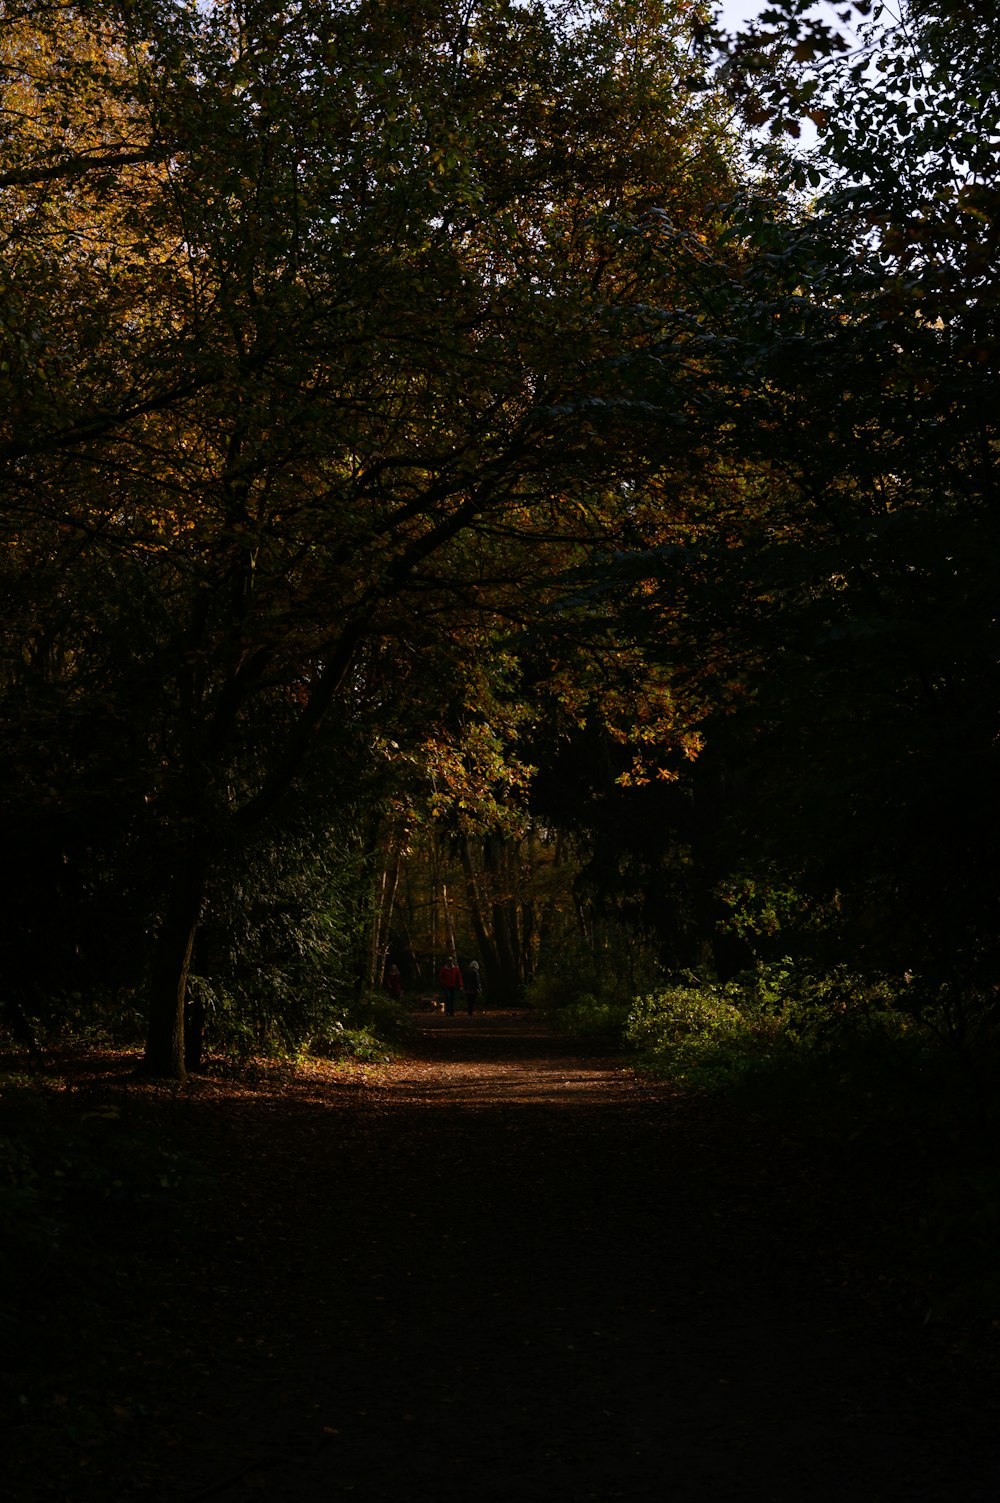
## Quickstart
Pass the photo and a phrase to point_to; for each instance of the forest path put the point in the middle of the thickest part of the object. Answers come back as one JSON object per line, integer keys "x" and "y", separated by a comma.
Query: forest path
{"x": 500, "y": 1271}
{"x": 531, "y": 1277}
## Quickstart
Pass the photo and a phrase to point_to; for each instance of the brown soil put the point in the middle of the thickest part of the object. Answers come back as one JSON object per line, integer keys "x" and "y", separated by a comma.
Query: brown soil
{"x": 495, "y": 1271}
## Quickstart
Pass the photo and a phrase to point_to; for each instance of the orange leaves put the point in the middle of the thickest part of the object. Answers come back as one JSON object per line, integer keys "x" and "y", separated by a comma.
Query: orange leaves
{"x": 478, "y": 782}
{"x": 642, "y": 772}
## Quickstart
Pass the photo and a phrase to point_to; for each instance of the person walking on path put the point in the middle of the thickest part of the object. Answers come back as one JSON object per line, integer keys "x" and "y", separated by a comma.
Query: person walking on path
{"x": 450, "y": 978}
{"x": 473, "y": 987}
{"x": 394, "y": 983}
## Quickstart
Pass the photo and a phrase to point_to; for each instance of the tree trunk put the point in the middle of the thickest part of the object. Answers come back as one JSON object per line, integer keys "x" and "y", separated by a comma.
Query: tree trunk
{"x": 167, "y": 989}
{"x": 528, "y": 946}
{"x": 484, "y": 939}
{"x": 167, "y": 984}
{"x": 452, "y": 948}
{"x": 506, "y": 954}
{"x": 382, "y": 926}
{"x": 503, "y": 910}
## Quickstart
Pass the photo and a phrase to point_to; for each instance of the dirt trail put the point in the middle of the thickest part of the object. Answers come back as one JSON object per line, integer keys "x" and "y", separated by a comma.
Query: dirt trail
{"x": 509, "y": 1272}
{"x": 537, "y": 1281}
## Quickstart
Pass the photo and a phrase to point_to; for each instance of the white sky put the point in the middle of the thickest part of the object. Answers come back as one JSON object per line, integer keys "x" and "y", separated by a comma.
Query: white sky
{"x": 734, "y": 11}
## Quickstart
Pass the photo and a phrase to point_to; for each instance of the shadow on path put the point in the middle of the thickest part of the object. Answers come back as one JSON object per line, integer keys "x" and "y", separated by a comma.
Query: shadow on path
{"x": 524, "y": 1276}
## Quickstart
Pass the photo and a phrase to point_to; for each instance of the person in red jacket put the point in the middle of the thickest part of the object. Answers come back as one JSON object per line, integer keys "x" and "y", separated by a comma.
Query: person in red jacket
{"x": 450, "y": 978}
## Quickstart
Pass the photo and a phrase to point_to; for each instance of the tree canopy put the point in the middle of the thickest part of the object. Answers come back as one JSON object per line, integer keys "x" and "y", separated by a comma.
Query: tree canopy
{"x": 402, "y": 405}
{"x": 314, "y": 321}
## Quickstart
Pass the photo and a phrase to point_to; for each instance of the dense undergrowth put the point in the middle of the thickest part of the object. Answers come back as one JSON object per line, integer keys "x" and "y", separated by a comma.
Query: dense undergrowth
{"x": 366, "y": 1027}
{"x": 890, "y": 1091}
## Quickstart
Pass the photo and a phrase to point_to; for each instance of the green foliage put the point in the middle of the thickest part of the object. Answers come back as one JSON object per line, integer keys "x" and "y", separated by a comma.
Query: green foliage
{"x": 275, "y": 953}
{"x": 701, "y": 1036}
{"x": 366, "y": 1028}
{"x": 587, "y": 984}
{"x": 891, "y": 1091}
{"x": 829, "y": 585}
{"x": 594, "y": 1019}
{"x": 611, "y": 963}
{"x": 370, "y": 1030}
{"x": 774, "y": 1020}
{"x": 763, "y": 902}
{"x": 373, "y": 310}
{"x": 338, "y": 1042}
{"x": 101, "y": 1017}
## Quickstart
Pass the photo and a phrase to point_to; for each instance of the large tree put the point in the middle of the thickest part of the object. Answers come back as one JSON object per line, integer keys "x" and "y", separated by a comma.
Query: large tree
{"x": 310, "y": 353}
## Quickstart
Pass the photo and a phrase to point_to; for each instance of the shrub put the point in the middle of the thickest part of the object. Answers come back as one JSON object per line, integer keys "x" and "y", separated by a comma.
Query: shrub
{"x": 704, "y": 1035}
{"x": 591, "y": 981}
{"x": 593, "y": 1019}
{"x": 370, "y": 1030}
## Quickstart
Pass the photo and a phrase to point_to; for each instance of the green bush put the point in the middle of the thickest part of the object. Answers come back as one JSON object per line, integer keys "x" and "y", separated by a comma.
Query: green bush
{"x": 587, "y": 985}
{"x": 775, "y": 1021}
{"x": 370, "y": 1030}
{"x": 705, "y": 1036}
{"x": 891, "y": 1086}
{"x": 593, "y": 1019}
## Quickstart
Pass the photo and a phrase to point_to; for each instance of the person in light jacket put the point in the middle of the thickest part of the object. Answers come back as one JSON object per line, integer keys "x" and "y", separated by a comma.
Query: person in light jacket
{"x": 473, "y": 987}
